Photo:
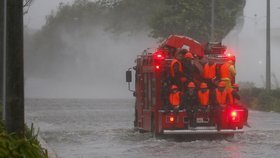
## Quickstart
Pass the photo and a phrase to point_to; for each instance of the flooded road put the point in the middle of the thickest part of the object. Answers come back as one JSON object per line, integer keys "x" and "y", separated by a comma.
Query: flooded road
{"x": 104, "y": 129}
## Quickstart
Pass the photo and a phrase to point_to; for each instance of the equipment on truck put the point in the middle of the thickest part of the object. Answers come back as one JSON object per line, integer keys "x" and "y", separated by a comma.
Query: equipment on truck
{"x": 153, "y": 84}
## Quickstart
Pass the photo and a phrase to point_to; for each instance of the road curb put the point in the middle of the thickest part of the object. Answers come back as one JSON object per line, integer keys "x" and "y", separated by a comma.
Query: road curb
{"x": 51, "y": 153}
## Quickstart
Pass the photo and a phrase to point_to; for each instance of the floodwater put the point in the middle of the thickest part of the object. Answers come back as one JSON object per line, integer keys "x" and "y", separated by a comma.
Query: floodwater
{"x": 80, "y": 128}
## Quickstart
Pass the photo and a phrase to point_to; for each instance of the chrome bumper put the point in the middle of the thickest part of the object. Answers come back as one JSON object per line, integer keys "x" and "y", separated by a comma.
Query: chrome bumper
{"x": 203, "y": 131}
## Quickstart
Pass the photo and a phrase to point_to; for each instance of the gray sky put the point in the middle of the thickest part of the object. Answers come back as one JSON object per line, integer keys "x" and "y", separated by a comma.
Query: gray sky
{"x": 250, "y": 42}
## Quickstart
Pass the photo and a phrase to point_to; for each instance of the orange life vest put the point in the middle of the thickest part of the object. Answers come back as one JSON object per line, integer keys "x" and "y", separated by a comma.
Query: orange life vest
{"x": 203, "y": 97}
{"x": 231, "y": 99}
{"x": 221, "y": 97}
{"x": 174, "y": 98}
{"x": 209, "y": 71}
{"x": 225, "y": 73}
{"x": 172, "y": 72}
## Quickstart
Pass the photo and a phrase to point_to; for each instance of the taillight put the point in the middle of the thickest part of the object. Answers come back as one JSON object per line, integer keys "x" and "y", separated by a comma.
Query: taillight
{"x": 157, "y": 67}
{"x": 234, "y": 116}
{"x": 170, "y": 119}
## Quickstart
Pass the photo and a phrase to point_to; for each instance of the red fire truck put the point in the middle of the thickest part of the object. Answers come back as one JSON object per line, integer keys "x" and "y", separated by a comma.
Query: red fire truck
{"x": 152, "y": 73}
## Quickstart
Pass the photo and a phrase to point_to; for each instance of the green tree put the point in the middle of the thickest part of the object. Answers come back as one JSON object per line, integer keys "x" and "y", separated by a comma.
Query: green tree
{"x": 159, "y": 18}
{"x": 193, "y": 18}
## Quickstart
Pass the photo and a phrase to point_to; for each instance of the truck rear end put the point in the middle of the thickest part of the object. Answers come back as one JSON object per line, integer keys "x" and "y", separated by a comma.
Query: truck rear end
{"x": 152, "y": 80}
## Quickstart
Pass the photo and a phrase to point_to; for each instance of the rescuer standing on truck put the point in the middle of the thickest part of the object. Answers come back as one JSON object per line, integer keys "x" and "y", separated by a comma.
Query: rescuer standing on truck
{"x": 192, "y": 68}
{"x": 233, "y": 92}
{"x": 175, "y": 97}
{"x": 188, "y": 66}
{"x": 222, "y": 97}
{"x": 221, "y": 100}
{"x": 176, "y": 68}
{"x": 209, "y": 73}
{"x": 190, "y": 102}
{"x": 227, "y": 73}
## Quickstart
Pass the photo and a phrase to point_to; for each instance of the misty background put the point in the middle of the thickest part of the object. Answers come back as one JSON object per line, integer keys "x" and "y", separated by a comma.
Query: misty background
{"x": 97, "y": 70}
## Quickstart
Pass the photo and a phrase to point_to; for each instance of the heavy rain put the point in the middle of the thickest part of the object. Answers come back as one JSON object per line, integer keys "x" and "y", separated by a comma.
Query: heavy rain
{"x": 76, "y": 55}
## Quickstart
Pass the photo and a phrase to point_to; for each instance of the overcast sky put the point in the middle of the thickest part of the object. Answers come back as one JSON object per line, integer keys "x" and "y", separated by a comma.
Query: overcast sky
{"x": 250, "y": 42}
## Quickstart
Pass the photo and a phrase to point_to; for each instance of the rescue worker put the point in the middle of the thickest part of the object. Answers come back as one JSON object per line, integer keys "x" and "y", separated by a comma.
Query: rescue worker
{"x": 188, "y": 66}
{"x": 221, "y": 95}
{"x": 203, "y": 95}
{"x": 192, "y": 68}
{"x": 233, "y": 92}
{"x": 204, "y": 98}
{"x": 221, "y": 100}
{"x": 176, "y": 68}
{"x": 227, "y": 73}
{"x": 190, "y": 102}
{"x": 209, "y": 73}
{"x": 175, "y": 97}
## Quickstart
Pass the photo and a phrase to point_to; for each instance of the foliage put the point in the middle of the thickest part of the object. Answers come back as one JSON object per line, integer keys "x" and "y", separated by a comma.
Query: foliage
{"x": 193, "y": 18}
{"x": 261, "y": 99}
{"x": 163, "y": 17}
{"x": 246, "y": 84}
{"x": 49, "y": 47}
{"x": 12, "y": 146}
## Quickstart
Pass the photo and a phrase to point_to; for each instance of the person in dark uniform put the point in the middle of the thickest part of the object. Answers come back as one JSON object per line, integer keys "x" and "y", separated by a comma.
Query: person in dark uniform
{"x": 190, "y": 102}
{"x": 176, "y": 69}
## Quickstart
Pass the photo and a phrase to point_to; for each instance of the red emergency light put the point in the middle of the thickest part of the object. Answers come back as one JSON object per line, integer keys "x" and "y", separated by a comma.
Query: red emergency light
{"x": 229, "y": 54}
{"x": 159, "y": 55}
{"x": 171, "y": 119}
{"x": 157, "y": 67}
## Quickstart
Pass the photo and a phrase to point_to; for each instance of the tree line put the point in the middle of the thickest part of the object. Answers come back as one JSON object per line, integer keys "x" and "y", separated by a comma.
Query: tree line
{"x": 159, "y": 18}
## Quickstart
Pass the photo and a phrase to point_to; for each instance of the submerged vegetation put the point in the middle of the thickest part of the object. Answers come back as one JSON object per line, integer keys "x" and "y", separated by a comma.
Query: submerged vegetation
{"x": 12, "y": 146}
{"x": 261, "y": 99}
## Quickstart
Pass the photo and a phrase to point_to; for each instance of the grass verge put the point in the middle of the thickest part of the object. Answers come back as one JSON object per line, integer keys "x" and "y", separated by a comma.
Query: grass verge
{"x": 261, "y": 99}
{"x": 12, "y": 146}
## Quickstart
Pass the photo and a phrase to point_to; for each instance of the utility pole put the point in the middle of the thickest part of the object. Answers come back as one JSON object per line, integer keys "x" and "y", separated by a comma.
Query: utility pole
{"x": 268, "y": 70}
{"x": 212, "y": 20}
{"x": 3, "y": 31}
{"x": 1, "y": 47}
{"x": 14, "y": 68}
